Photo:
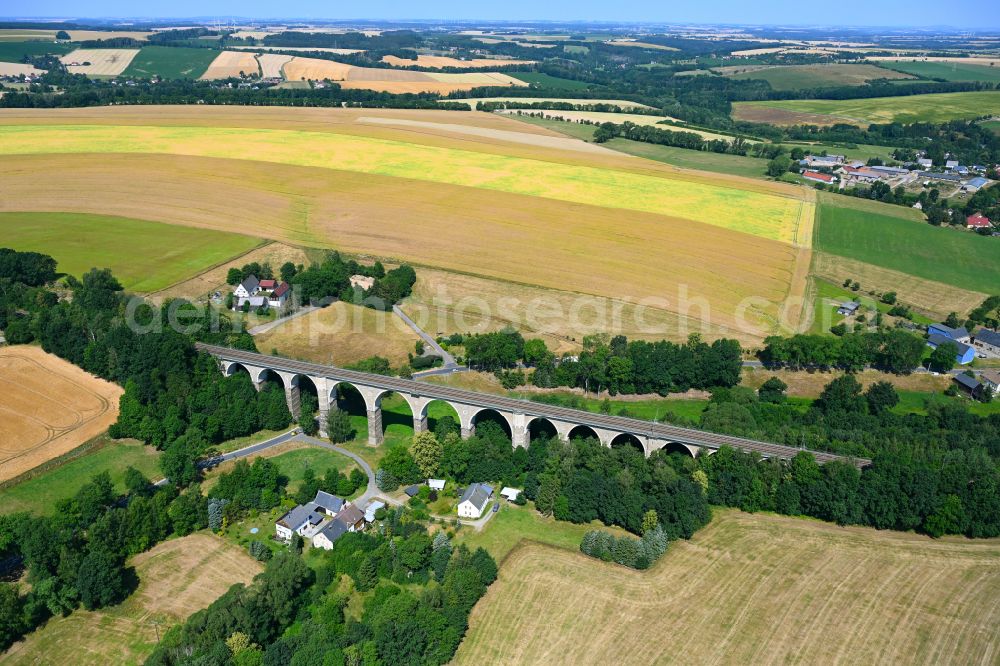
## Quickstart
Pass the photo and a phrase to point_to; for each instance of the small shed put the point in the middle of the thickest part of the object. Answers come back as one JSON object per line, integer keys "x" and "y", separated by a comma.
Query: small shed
{"x": 510, "y": 494}
{"x": 436, "y": 484}
{"x": 411, "y": 491}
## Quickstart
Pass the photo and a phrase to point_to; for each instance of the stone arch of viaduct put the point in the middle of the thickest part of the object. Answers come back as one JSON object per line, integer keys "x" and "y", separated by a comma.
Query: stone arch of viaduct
{"x": 468, "y": 405}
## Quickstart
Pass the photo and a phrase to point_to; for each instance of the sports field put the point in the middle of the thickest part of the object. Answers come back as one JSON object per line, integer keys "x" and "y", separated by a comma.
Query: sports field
{"x": 171, "y": 62}
{"x": 176, "y": 578}
{"x": 522, "y": 211}
{"x": 949, "y": 71}
{"x": 934, "y": 108}
{"x": 158, "y": 254}
{"x": 758, "y": 589}
{"x": 878, "y": 236}
{"x": 49, "y": 408}
{"x": 795, "y": 77}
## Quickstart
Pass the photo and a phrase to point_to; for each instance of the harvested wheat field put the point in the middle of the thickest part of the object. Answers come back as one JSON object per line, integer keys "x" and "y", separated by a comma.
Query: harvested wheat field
{"x": 18, "y": 68}
{"x": 341, "y": 334}
{"x": 231, "y": 64}
{"x": 440, "y": 62}
{"x": 49, "y": 407}
{"x": 748, "y": 589}
{"x": 369, "y": 181}
{"x": 391, "y": 80}
{"x": 624, "y": 104}
{"x": 272, "y": 65}
{"x": 176, "y": 578}
{"x": 98, "y": 62}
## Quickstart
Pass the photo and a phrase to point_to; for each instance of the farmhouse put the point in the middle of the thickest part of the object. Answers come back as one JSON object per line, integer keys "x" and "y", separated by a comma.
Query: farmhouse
{"x": 977, "y": 221}
{"x": 327, "y": 536}
{"x": 353, "y": 518}
{"x": 304, "y": 520}
{"x": 957, "y": 334}
{"x": 280, "y": 295}
{"x": 474, "y": 500}
{"x": 966, "y": 354}
{"x": 818, "y": 177}
{"x": 249, "y": 287}
{"x": 987, "y": 342}
{"x": 330, "y": 504}
{"x": 991, "y": 380}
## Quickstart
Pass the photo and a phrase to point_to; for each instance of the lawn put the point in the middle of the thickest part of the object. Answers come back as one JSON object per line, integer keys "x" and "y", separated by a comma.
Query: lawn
{"x": 549, "y": 82}
{"x": 513, "y": 523}
{"x": 931, "y": 108}
{"x": 176, "y": 578}
{"x": 293, "y": 464}
{"x": 171, "y": 62}
{"x": 748, "y": 588}
{"x": 158, "y": 255}
{"x": 949, "y": 71}
{"x": 885, "y": 239}
{"x": 41, "y": 493}
{"x": 795, "y": 77}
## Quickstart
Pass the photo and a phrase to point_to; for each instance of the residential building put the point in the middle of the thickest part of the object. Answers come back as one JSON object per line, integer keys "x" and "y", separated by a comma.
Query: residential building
{"x": 510, "y": 494}
{"x": 966, "y": 354}
{"x": 951, "y": 164}
{"x": 957, "y": 334}
{"x": 249, "y": 287}
{"x": 304, "y": 520}
{"x": 330, "y": 504}
{"x": 991, "y": 380}
{"x": 978, "y": 221}
{"x": 353, "y": 517}
{"x": 987, "y": 342}
{"x": 925, "y": 162}
{"x": 818, "y": 177}
{"x": 474, "y": 500}
{"x": 280, "y": 295}
{"x": 328, "y": 536}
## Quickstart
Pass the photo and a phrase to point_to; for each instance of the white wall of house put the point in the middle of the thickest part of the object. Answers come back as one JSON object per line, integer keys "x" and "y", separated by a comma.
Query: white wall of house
{"x": 468, "y": 510}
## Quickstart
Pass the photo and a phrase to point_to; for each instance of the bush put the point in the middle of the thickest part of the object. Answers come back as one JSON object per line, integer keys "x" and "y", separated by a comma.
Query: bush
{"x": 259, "y": 551}
{"x": 629, "y": 552}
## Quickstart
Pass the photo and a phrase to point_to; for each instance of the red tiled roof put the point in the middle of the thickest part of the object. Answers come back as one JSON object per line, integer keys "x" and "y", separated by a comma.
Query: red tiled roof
{"x": 818, "y": 176}
{"x": 977, "y": 221}
{"x": 267, "y": 284}
{"x": 281, "y": 290}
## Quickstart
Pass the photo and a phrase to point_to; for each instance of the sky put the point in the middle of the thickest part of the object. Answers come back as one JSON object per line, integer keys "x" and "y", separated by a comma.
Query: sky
{"x": 967, "y": 14}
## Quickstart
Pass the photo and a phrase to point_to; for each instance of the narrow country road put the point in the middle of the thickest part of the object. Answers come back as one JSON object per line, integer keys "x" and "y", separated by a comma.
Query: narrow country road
{"x": 449, "y": 360}
{"x": 264, "y": 328}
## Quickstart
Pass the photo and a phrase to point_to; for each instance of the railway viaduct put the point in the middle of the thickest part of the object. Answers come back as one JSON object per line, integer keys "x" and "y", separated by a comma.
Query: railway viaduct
{"x": 519, "y": 415}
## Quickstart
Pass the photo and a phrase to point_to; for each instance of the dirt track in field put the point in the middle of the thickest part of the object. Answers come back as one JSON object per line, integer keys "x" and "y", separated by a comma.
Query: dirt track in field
{"x": 48, "y": 408}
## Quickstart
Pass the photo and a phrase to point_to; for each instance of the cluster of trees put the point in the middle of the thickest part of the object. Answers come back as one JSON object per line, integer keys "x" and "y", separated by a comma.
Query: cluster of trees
{"x": 987, "y": 314}
{"x": 629, "y": 552}
{"x": 77, "y": 556}
{"x": 422, "y": 591}
{"x": 665, "y": 137}
{"x": 622, "y": 366}
{"x": 263, "y": 271}
{"x": 331, "y": 278}
{"x": 892, "y": 350}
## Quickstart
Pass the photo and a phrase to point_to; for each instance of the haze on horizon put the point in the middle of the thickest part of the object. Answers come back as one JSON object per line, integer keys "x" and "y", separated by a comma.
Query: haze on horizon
{"x": 961, "y": 14}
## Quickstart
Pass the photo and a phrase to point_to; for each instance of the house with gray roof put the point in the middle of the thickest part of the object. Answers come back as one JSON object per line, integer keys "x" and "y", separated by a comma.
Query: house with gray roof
{"x": 328, "y": 536}
{"x": 331, "y": 504}
{"x": 304, "y": 520}
{"x": 474, "y": 500}
{"x": 249, "y": 287}
{"x": 987, "y": 342}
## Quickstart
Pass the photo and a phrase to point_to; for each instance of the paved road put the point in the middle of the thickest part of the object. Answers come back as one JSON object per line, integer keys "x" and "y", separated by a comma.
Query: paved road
{"x": 449, "y": 360}
{"x": 264, "y": 328}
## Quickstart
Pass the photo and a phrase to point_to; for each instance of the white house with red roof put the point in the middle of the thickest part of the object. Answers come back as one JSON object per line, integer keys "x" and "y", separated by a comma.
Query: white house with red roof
{"x": 978, "y": 221}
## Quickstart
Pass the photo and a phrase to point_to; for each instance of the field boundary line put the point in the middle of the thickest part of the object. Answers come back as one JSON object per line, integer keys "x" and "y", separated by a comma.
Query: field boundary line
{"x": 264, "y": 242}
{"x": 92, "y": 445}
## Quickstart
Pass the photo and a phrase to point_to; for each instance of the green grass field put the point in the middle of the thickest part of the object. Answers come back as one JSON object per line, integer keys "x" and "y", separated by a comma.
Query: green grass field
{"x": 547, "y": 81}
{"x": 293, "y": 464}
{"x": 947, "y": 255}
{"x": 796, "y": 77}
{"x": 993, "y": 126}
{"x": 949, "y": 71}
{"x": 171, "y": 62}
{"x": 158, "y": 255}
{"x": 15, "y": 51}
{"x": 934, "y": 108}
{"x": 40, "y": 494}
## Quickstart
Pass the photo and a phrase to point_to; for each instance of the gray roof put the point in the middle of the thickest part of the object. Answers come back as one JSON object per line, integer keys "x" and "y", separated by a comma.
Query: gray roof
{"x": 478, "y": 494}
{"x": 254, "y": 301}
{"x": 300, "y": 515}
{"x": 954, "y": 333}
{"x": 250, "y": 283}
{"x": 968, "y": 382}
{"x": 351, "y": 515}
{"x": 978, "y": 181}
{"x": 954, "y": 177}
{"x": 331, "y": 503}
{"x": 934, "y": 339}
{"x": 989, "y": 337}
{"x": 412, "y": 490}
{"x": 334, "y": 530}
